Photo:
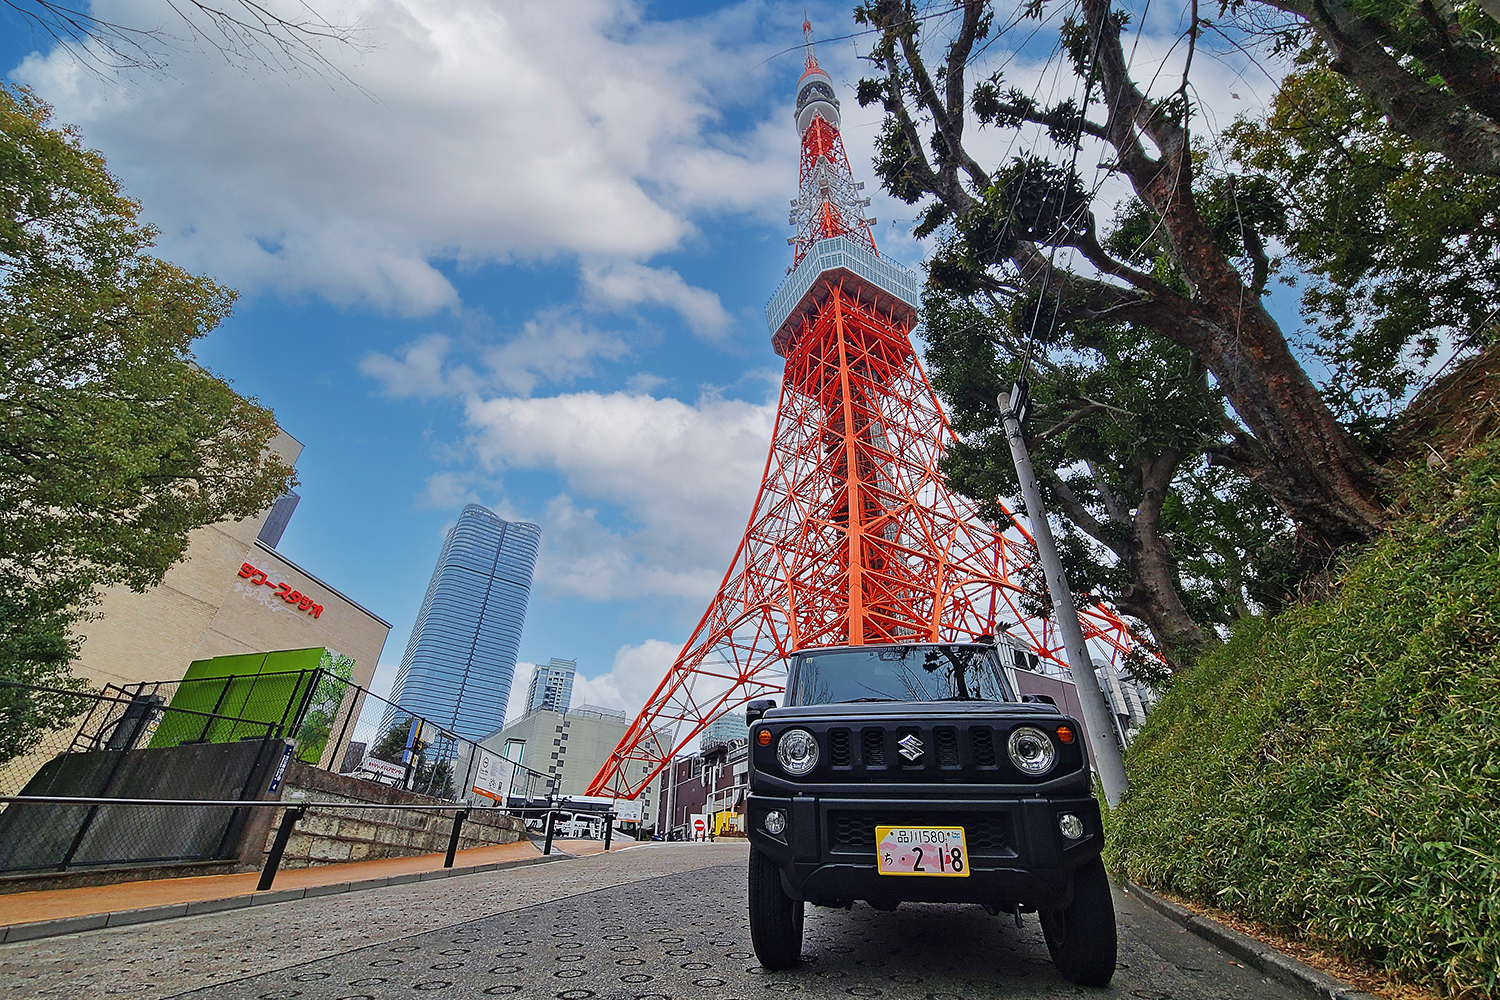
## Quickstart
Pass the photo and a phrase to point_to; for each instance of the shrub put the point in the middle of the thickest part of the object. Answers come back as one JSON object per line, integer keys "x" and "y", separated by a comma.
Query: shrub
{"x": 1335, "y": 772}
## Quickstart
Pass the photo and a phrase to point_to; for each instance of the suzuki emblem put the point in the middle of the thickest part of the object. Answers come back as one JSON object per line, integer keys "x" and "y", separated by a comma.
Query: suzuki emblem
{"x": 911, "y": 746}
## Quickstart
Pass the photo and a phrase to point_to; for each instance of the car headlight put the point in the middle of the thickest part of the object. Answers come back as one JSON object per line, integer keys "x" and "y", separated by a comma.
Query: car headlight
{"x": 797, "y": 751}
{"x": 1031, "y": 750}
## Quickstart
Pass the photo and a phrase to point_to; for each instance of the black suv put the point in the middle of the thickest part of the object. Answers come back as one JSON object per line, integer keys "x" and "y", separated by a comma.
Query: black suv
{"x": 912, "y": 772}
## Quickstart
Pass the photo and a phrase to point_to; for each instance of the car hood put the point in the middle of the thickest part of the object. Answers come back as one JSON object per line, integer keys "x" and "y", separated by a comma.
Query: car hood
{"x": 898, "y": 710}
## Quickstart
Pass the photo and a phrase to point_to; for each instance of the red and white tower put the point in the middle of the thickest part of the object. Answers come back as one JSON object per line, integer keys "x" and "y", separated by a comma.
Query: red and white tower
{"x": 854, "y": 537}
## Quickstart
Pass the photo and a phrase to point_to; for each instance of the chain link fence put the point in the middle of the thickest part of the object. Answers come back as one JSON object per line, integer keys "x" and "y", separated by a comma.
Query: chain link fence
{"x": 116, "y": 743}
{"x": 222, "y": 738}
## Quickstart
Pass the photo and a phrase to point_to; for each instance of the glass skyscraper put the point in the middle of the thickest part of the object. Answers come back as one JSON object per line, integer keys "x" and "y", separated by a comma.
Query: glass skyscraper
{"x": 461, "y": 656}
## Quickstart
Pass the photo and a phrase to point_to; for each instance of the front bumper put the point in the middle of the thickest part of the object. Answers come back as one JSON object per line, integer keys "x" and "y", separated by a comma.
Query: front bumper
{"x": 1017, "y": 856}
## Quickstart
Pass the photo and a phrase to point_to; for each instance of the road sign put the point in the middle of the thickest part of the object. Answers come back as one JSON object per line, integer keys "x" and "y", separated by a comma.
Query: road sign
{"x": 699, "y": 824}
{"x": 492, "y": 778}
{"x": 377, "y": 766}
{"x": 286, "y": 758}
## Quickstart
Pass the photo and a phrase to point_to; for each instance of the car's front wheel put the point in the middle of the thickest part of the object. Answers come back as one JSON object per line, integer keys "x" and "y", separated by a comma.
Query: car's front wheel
{"x": 1081, "y": 938}
{"x": 775, "y": 917}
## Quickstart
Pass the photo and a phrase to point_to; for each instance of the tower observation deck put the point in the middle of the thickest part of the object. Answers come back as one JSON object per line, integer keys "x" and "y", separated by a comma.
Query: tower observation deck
{"x": 854, "y": 536}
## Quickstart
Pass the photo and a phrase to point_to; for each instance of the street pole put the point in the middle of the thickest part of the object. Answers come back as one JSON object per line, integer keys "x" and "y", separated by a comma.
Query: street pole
{"x": 1080, "y": 664}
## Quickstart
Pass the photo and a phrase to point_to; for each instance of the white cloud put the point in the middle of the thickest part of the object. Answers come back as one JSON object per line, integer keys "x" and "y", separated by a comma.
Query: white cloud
{"x": 636, "y": 672}
{"x": 417, "y": 372}
{"x": 484, "y": 133}
{"x": 552, "y": 347}
{"x": 448, "y": 491}
{"x": 624, "y": 285}
{"x": 644, "y": 383}
{"x": 682, "y": 475}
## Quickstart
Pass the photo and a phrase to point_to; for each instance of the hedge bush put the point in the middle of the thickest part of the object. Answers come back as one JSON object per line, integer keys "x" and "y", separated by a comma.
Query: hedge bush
{"x": 1335, "y": 772}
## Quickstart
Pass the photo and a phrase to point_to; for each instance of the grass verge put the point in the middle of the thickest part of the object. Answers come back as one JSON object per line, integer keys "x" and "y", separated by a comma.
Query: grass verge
{"x": 1334, "y": 773}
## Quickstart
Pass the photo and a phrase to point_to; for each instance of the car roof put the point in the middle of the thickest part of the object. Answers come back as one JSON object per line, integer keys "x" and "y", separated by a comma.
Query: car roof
{"x": 886, "y": 645}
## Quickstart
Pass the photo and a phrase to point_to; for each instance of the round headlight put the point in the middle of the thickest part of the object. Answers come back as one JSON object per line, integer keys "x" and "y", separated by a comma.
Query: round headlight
{"x": 1031, "y": 750}
{"x": 797, "y": 751}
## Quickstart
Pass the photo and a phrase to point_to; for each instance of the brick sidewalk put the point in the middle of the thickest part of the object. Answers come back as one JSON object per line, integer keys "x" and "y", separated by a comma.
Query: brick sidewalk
{"x": 26, "y": 915}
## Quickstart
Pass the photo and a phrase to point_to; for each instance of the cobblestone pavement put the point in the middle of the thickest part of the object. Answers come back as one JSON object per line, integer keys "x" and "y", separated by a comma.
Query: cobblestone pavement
{"x": 652, "y": 923}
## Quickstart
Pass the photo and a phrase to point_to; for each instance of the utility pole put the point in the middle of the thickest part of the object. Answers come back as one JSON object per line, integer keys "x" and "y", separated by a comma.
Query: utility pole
{"x": 1080, "y": 664}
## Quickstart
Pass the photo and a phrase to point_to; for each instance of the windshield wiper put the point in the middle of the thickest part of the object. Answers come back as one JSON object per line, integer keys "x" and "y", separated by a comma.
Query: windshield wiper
{"x": 851, "y": 701}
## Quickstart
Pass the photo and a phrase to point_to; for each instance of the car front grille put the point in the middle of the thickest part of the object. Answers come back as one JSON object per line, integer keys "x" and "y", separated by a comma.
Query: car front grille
{"x": 839, "y": 752}
{"x": 873, "y": 744}
{"x": 982, "y": 741}
{"x": 942, "y": 748}
{"x": 988, "y": 834}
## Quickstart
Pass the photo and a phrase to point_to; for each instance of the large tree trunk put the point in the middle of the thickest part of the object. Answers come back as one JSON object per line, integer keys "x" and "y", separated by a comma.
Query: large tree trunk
{"x": 1458, "y": 121}
{"x": 1300, "y": 454}
{"x": 1154, "y": 596}
{"x": 1321, "y": 478}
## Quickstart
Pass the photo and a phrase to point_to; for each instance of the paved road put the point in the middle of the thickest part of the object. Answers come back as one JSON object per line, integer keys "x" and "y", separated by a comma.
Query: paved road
{"x": 643, "y": 924}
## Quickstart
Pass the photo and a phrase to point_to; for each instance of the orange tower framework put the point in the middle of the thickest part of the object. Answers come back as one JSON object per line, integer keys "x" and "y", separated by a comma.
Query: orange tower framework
{"x": 854, "y": 537}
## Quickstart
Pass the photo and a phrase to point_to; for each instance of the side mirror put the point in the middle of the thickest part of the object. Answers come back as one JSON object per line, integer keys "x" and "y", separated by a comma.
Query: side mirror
{"x": 755, "y": 709}
{"x": 1045, "y": 699}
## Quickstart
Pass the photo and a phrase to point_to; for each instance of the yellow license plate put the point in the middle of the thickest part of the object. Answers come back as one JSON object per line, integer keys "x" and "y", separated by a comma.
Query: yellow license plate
{"x": 921, "y": 850}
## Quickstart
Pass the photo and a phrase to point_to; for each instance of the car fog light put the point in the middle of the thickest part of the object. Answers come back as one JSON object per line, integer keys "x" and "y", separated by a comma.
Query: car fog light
{"x": 1071, "y": 826}
{"x": 774, "y": 822}
{"x": 797, "y": 751}
{"x": 1031, "y": 750}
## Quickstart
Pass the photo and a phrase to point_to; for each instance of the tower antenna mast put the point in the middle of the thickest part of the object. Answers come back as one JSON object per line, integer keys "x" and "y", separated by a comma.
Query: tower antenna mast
{"x": 854, "y": 536}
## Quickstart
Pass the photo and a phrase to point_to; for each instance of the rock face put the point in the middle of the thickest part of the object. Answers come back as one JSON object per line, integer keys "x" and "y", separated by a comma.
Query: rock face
{"x": 327, "y": 835}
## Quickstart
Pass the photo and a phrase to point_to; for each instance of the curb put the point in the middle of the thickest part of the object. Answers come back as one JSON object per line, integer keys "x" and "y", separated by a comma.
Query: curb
{"x": 13, "y": 933}
{"x": 1257, "y": 954}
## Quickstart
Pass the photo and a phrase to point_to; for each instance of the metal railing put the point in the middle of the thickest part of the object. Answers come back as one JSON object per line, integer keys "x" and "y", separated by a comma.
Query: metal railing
{"x": 295, "y": 811}
{"x": 338, "y": 726}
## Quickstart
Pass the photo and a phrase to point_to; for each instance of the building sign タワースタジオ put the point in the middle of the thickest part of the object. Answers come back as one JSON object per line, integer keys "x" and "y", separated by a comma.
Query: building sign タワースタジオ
{"x": 258, "y": 578}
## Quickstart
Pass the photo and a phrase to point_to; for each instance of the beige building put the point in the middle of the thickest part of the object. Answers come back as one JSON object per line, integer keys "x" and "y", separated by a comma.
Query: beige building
{"x": 571, "y": 746}
{"x": 227, "y": 596}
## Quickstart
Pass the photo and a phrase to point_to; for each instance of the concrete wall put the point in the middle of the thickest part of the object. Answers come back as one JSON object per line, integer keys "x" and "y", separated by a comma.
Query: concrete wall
{"x": 252, "y": 619}
{"x": 327, "y": 836}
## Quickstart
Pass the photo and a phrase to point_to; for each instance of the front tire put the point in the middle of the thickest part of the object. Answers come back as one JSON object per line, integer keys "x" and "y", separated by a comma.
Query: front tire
{"x": 1082, "y": 938}
{"x": 775, "y": 917}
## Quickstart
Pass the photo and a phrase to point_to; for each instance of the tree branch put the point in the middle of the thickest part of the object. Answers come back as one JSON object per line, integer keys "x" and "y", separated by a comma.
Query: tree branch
{"x": 1436, "y": 119}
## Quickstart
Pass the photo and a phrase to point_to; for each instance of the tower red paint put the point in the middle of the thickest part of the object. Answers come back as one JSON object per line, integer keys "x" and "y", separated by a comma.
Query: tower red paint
{"x": 854, "y": 537}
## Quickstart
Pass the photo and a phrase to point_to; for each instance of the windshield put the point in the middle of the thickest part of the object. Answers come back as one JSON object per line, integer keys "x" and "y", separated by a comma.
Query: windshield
{"x": 912, "y": 672}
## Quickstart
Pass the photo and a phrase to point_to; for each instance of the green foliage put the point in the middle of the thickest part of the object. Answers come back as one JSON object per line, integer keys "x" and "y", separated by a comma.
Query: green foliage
{"x": 323, "y": 706}
{"x": 36, "y": 648}
{"x": 1403, "y": 249}
{"x": 1335, "y": 772}
{"x": 428, "y": 776}
{"x": 1117, "y": 400}
{"x": 115, "y": 444}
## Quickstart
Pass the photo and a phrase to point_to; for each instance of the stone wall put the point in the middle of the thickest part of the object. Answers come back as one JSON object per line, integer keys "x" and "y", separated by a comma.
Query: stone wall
{"x": 328, "y": 835}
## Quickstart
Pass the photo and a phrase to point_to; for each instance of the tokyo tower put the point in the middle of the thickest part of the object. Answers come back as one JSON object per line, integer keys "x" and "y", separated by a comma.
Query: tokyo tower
{"x": 854, "y": 537}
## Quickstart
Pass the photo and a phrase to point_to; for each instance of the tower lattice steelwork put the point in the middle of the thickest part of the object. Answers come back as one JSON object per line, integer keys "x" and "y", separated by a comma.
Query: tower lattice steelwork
{"x": 854, "y": 537}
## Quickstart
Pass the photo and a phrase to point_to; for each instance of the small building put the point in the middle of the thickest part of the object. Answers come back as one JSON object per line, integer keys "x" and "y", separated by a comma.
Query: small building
{"x": 570, "y": 746}
{"x": 711, "y": 783}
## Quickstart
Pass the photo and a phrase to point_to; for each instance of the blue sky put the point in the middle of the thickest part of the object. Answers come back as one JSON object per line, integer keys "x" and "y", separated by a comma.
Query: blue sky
{"x": 518, "y": 257}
